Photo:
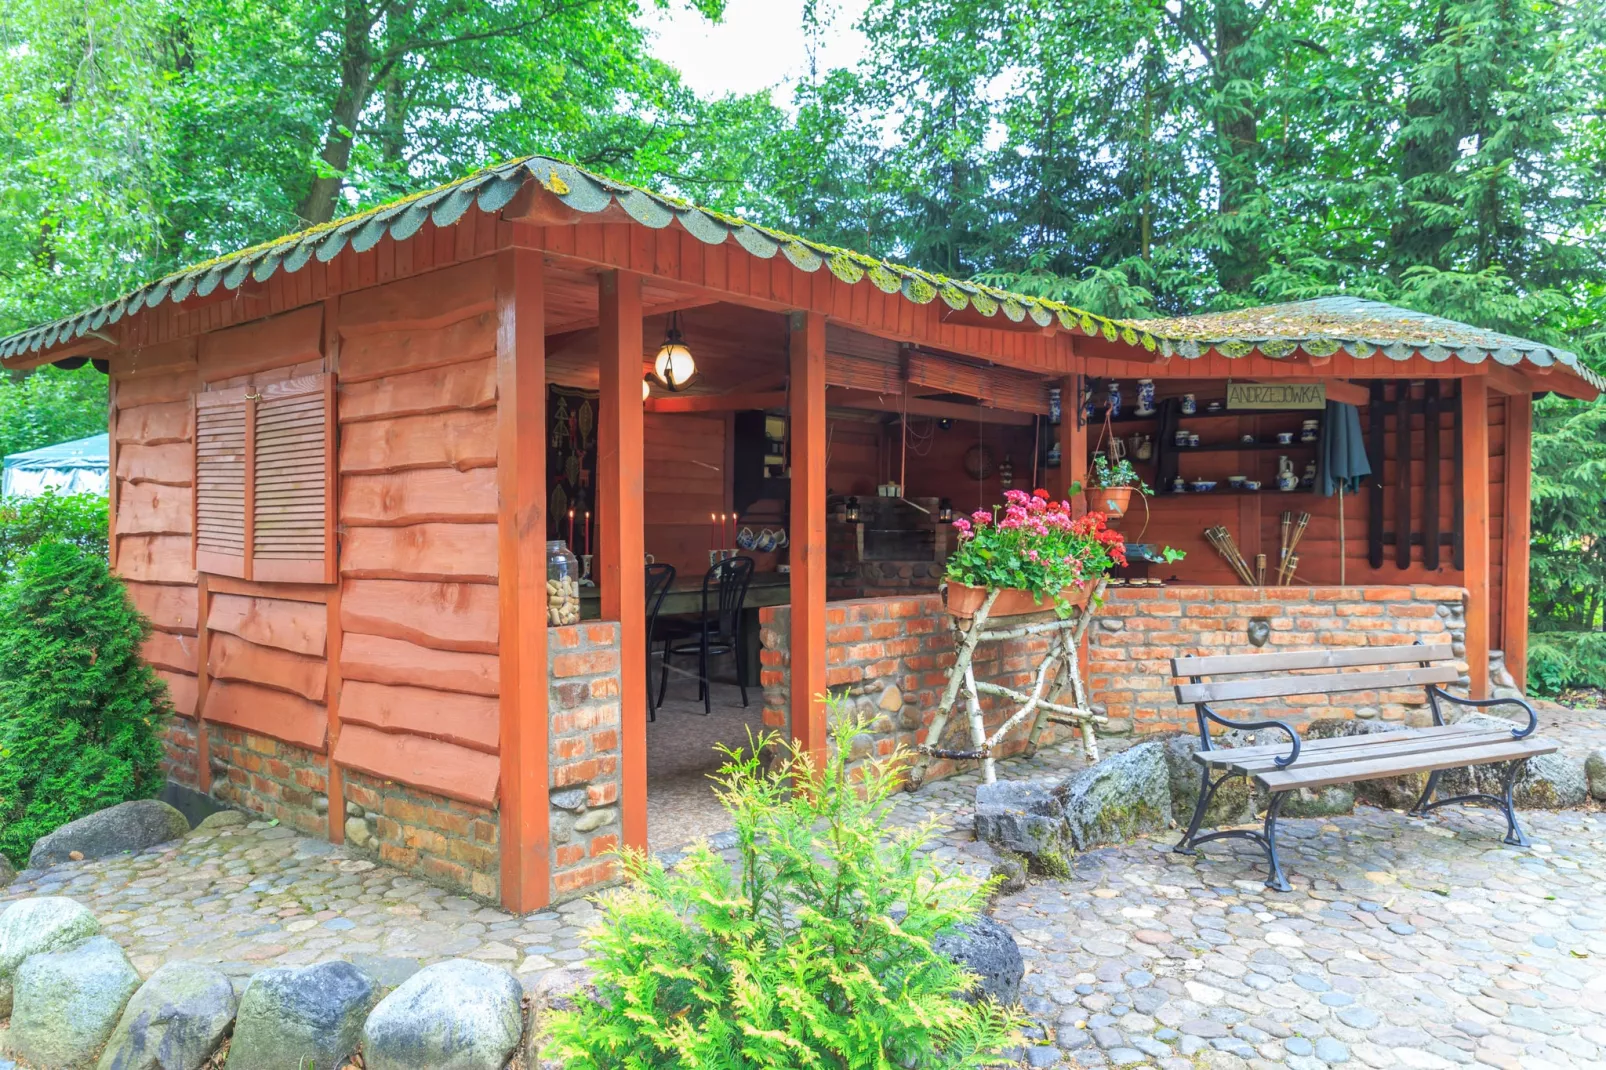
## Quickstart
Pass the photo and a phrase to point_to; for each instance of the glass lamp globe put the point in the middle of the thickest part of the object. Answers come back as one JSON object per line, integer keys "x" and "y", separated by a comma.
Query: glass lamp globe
{"x": 674, "y": 366}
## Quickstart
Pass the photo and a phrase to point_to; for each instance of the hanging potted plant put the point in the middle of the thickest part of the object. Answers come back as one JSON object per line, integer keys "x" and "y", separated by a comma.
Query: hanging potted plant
{"x": 1111, "y": 485}
{"x": 1033, "y": 553}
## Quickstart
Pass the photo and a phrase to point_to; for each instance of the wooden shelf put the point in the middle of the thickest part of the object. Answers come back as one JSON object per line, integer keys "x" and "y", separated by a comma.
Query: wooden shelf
{"x": 1228, "y": 492}
{"x": 1242, "y": 447}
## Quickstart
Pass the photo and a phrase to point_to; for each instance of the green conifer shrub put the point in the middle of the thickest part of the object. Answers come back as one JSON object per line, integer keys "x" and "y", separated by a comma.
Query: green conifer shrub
{"x": 80, "y": 711}
{"x": 816, "y": 953}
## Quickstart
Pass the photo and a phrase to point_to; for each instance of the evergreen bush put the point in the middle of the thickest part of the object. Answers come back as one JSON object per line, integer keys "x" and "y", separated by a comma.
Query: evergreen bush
{"x": 816, "y": 953}
{"x": 26, "y": 522}
{"x": 80, "y": 711}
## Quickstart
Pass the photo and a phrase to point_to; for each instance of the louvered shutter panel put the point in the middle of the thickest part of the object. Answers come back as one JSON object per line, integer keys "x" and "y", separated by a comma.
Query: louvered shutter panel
{"x": 221, "y": 419}
{"x": 292, "y": 536}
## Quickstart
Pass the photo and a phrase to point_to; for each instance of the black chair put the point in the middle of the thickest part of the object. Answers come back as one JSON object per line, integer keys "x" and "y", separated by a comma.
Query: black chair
{"x": 659, "y": 580}
{"x": 717, "y": 631}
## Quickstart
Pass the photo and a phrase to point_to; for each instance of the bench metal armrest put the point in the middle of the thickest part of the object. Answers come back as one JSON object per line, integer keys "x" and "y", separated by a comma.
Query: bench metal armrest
{"x": 1436, "y": 692}
{"x": 1206, "y": 715}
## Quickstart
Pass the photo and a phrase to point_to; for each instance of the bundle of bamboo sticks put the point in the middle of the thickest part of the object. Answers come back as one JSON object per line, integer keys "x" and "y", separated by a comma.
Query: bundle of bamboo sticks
{"x": 1287, "y": 560}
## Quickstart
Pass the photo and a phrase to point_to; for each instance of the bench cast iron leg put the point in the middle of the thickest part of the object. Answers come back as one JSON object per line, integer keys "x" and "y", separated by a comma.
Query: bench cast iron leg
{"x": 1275, "y": 879}
{"x": 1425, "y": 803}
{"x": 1514, "y": 834}
{"x": 1207, "y": 791}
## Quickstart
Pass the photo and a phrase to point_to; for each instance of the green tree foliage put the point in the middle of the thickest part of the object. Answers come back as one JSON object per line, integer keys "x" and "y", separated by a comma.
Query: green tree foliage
{"x": 80, "y": 712}
{"x": 814, "y": 952}
{"x": 50, "y": 405}
{"x": 79, "y": 519}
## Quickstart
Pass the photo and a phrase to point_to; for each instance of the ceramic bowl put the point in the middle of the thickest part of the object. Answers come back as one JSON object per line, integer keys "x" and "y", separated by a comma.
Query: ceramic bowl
{"x": 1235, "y": 482}
{"x": 1202, "y": 486}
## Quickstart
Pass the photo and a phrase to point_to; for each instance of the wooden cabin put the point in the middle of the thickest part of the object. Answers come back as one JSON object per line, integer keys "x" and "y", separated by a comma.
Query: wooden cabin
{"x": 339, "y": 458}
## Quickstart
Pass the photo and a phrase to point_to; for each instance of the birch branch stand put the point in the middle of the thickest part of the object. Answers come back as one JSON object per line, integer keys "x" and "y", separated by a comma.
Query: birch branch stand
{"x": 1058, "y": 670}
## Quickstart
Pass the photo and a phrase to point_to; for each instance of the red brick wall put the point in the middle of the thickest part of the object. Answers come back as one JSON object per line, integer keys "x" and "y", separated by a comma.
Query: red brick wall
{"x": 1138, "y": 631}
{"x": 584, "y": 755}
{"x": 443, "y": 840}
{"x": 888, "y": 657}
{"x": 270, "y": 777}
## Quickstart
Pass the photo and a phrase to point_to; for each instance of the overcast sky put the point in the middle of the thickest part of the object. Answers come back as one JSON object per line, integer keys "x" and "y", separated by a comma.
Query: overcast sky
{"x": 759, "y": 45}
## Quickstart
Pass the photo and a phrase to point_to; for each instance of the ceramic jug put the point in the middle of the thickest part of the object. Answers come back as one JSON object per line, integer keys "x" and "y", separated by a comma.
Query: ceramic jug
{"x": 1287, "y": 478}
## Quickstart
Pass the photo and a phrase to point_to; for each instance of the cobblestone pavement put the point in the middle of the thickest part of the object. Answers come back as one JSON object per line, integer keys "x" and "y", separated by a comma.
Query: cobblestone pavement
{"x": 1405, "y": 943}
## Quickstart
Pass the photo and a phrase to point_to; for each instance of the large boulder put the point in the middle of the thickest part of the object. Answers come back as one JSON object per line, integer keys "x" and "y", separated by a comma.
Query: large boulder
{"x": 1025, "y": 818}
{"x": 1547, "y": 781}
{"x": 1234, "y": 801}
{"x": 68, "y": 1002}
{"x": 1120, "y": 797}
{"x": 8, "y": 872}
{"x": 31, "y": 926}
{"x": 454, "y": 1015}
{"x": 986, "y": 949}
{"x": 129, "y": 826}
{"x": 1595, "y": 773}
{"x": 1392, "y": 793}
{"x": 174, "y": 1022}
{"x": 309, "y": 1018}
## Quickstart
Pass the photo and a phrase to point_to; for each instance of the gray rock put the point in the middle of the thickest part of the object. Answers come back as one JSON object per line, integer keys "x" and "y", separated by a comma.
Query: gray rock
{"x": 222, "y": 819}
{"x": 175, "y": 1021}
{"x": 129, "y": 826}
{"x": 1233, "y": 802}
{"x": 1594, "y": 772}
{"x": 986, "y": 949}
{"x": 1008, "y": 868}
{"x": 1547, "y": 781}
{"x": 309, "y": 1018}
{"x": 8, "y": 872}
{"x": 1394, "y": 793}
{"x": 1120, "y": 797}
{"x": 454, "y": 1015}
{"x": 1025, "y": 818}
{"x": 30, "y": 926}
{"x": 1323, "y": 802}
{"x": 68, "y": 1002}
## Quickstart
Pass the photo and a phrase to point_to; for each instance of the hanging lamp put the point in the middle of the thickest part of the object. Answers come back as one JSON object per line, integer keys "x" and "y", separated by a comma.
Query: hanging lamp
{"x": 674, "y": 366}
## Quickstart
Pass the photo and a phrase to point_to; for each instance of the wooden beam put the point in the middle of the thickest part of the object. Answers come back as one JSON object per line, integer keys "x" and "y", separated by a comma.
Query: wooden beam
{"x": 334, "y": 786}
{"x": 807, "y": 350}
{"x": 521, "y": 579}
{"x": 1514, "y": 564}
{"x": 1567, "y": 384}
{"x": 710, "y": 402}
{"x": 203, "y": 745}
{"x": 1475, "y": 496}
{"x": 1505, "y": 380}
{"x": 677, "y": 304}
{"x": 843, "y": 398}
{"x": 620, "y": 539}
{"x": 1073, "y": 443}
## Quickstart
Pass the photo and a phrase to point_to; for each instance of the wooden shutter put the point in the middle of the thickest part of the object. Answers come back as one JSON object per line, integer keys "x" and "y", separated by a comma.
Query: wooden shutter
{"x": 292, "y": 530}
{"x": 265, "y": 481}
{"x": 221, "y": 419}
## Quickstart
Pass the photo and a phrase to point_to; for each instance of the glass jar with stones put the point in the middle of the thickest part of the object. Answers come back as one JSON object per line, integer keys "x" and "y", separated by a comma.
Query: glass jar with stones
{"x": 562, "y": 584}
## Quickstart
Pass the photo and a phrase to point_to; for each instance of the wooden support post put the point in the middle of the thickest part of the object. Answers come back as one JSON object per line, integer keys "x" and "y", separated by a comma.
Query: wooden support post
{"x": 807, "y": 344}
{"x": 1519, "y": 506}
{"x": 521, "y": 579}
{"x": 620, "y": 540}
{"x": 334, "y": 787}
{"x": 1475, "y": 505}
{"x": 1073, "y": 443}
{"x": 203, "y": 744}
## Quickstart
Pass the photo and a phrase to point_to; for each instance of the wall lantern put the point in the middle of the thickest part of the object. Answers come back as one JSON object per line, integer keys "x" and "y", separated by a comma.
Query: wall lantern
{"x": 646, "y": 388}
{"x": 674, "y": 366}
{"x": 945, "y": 511}
{"x": 850, "y": 510}
{"x": 1006, "y": 473}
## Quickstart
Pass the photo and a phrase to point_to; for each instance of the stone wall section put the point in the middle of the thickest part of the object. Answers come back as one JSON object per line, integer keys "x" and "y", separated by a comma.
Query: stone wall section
{"x": 441, "y": 839}
{"x": 584, "y": 755}
{"x": 1138, "y": 631}
{"x": 270, "y": 777}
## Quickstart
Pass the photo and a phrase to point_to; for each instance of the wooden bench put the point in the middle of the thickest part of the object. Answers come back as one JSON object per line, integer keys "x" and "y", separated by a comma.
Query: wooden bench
{"x": 1288, "y": 766}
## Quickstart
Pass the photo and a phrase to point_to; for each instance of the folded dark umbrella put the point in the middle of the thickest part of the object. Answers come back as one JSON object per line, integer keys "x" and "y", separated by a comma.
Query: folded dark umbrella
{"x": 1341, "y": 462}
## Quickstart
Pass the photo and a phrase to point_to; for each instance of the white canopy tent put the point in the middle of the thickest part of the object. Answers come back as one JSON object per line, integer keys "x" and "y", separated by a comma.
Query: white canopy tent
{"x": 78, "y": 467}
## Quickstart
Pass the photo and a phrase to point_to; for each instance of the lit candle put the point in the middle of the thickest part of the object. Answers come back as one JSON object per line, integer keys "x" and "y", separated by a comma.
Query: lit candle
{"x": 585, "y": 532}
{"x": 571, "y": 529}
{"x": 713, "y": 533}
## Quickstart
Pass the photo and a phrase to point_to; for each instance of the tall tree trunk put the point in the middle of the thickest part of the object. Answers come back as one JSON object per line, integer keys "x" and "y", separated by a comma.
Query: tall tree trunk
{"x": 1237, "y": 154}
{"x": 356, "y": 85}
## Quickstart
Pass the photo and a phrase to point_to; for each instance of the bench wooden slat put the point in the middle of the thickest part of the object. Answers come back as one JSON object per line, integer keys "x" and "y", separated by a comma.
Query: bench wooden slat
{"x": 1377, "y": 768}
{"x": 1285, "y": 661}
{"x": 1285, "y": 686}
{"x": 1227, "y": 756}
{"x": 1367, "y": 752}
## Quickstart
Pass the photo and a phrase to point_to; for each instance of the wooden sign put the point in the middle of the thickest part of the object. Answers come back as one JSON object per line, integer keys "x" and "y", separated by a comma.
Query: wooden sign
{"x": 1276, "y": 395}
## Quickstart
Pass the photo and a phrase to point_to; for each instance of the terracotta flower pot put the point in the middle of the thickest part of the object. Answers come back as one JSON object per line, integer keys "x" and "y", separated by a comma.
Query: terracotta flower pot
{"x": 964, "y": 601}
{"x": 1111, "y": 501}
